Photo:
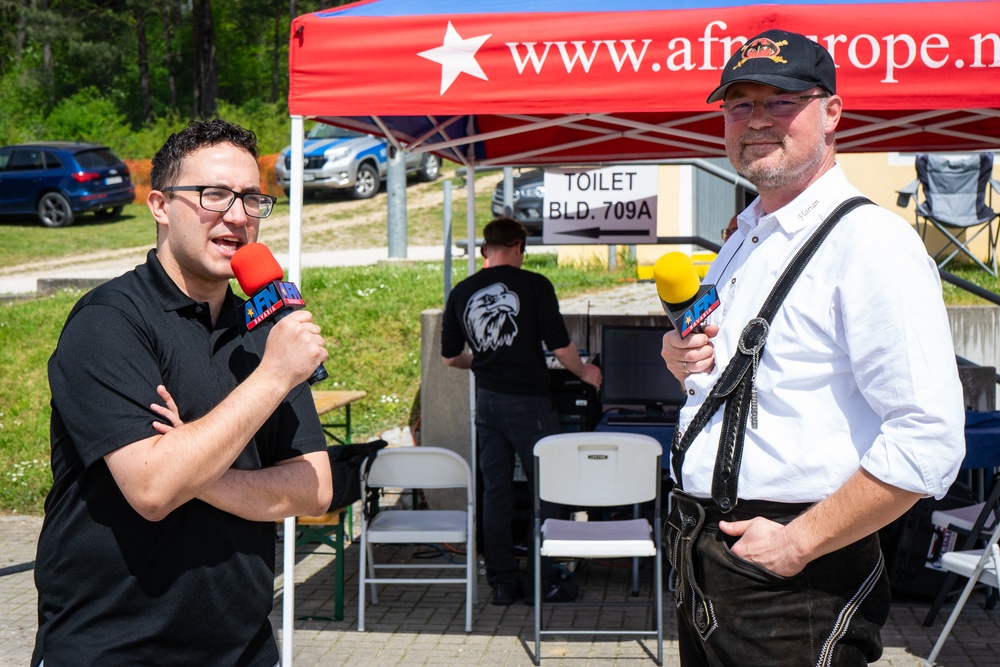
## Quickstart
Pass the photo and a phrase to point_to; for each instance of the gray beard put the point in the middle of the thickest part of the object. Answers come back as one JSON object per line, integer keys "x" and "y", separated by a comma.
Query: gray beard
{"x": 770, "y": 177}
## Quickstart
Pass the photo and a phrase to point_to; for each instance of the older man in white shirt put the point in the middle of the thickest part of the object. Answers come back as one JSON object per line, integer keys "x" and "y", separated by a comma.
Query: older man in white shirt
{"x": 857, "y": 411}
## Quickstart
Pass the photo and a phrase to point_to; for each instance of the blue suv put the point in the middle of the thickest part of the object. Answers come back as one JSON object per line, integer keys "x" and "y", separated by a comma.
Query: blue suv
{"x": 57, "y": 180}
{"x": 342, "y": 159}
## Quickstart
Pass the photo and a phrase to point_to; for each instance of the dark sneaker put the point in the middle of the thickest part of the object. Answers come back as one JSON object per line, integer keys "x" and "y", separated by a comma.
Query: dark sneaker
{"x": 504, "y": 595}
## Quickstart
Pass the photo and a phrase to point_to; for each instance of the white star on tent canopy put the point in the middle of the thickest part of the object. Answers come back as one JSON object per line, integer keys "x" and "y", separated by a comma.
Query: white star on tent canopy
{"x": 455, "y": 56}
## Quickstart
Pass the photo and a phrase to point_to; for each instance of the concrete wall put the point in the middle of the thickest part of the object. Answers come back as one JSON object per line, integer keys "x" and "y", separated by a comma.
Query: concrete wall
{"x": 444, "y": 405}
{"x": 975, "y": 331}
{"x": 444, "y": 392}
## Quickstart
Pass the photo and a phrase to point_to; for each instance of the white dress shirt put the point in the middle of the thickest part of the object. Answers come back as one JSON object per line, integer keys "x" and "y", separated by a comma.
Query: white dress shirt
{"x": 859, "y": 366}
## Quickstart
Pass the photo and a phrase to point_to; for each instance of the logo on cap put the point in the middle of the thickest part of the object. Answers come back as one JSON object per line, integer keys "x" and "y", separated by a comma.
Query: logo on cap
{"x": 762, "y": 47}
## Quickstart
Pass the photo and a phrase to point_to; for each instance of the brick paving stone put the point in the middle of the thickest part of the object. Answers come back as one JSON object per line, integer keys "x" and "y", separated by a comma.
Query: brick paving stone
{"x": 424, "y": 625}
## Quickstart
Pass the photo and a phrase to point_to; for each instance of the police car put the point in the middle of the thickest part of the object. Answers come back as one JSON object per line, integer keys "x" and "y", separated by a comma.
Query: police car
{"x": 342, "y": 159}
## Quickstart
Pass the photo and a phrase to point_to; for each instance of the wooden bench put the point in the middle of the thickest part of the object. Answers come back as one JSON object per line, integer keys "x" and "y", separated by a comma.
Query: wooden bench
{"x": 328, "y": 401}
{"x": 319, "y": 529}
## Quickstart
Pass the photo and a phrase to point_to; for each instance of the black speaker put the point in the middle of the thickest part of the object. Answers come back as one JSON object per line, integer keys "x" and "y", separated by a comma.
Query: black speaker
{"x": 577, "y": 403}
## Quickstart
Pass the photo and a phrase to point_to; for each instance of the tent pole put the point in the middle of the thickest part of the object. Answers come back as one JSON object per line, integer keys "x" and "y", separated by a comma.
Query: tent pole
{"x": 295, "y": 276}
{"x": 508, "y": 191}
{"x": 396, "y": 196}
{"x": 446, "y": 213}
{"x": 295, "y": 201}
{"x": 470, "y": 216}
{"x": 470, "y": 211}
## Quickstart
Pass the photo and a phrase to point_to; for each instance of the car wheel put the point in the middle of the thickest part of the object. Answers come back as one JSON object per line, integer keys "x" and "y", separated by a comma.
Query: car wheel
{"x": 109, "y": 213}
{"x": 430, "y": 168}
{"x": 367, "y": 183}
{"x": 54, "y": 210}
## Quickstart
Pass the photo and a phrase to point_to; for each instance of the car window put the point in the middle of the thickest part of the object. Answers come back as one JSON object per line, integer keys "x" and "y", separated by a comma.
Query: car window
{"x": 96, "y": 159}
{"x": 51, "y": 161}
{"x": 26, "y": 160}
{"x": 324, "y": 131}
{"x": 4, "y": 159}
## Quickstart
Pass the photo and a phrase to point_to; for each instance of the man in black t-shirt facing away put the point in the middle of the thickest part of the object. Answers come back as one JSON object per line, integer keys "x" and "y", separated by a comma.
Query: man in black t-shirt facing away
{"x": 505, "y": 313}
{"x": 178, "y": 437}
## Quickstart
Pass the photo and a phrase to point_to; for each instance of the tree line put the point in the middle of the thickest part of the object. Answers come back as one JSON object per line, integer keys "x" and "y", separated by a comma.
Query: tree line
{"x": 126, "y": 73}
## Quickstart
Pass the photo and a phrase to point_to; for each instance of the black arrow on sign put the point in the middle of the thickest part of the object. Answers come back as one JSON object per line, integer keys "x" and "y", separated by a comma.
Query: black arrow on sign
{"x": 597, "y": 232}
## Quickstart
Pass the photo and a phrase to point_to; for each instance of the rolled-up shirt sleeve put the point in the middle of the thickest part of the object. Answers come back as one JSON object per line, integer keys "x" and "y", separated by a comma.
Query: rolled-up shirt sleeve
{"x": 898, "y": 338}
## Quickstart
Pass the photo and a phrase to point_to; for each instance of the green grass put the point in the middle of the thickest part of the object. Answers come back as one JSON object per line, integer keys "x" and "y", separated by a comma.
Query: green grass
{"x": 24, "y": 239}
{"x": 28, "y": 332}
{"x": 955, "y": 296}
{"x": 371, "y": 321}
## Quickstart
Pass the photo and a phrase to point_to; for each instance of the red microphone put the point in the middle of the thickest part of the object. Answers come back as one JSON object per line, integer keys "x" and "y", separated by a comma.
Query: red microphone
{"x": 260, "y": 276}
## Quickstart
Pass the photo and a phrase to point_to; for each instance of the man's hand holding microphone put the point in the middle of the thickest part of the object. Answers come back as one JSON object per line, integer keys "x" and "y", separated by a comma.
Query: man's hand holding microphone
{"x": 688, "y": 347}
{"x": 294, "y": 348}
{"x": 295, "y": 351}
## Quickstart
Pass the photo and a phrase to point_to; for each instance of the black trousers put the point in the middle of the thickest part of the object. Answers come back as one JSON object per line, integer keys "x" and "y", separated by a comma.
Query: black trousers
{"x": 734, "y": 612}
{"x": 505, "y": 425}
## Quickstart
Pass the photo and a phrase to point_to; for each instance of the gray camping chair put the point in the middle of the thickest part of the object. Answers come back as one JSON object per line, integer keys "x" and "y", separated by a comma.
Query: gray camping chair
{"x": 957, "y": 202}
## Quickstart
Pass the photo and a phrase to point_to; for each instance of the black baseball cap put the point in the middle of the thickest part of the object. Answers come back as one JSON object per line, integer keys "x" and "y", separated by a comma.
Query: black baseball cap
{"x": 785, "y": 60}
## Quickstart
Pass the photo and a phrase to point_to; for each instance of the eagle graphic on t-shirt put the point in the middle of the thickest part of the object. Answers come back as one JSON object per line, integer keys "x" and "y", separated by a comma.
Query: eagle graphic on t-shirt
{"x": 489, "y": 317}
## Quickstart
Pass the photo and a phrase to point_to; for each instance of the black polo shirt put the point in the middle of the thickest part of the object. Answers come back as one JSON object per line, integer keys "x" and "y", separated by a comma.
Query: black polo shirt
{"x": 195, "y": 588}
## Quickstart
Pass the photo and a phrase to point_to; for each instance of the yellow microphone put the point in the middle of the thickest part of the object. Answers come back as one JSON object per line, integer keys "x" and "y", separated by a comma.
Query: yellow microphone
{"x": 685, "y": 300}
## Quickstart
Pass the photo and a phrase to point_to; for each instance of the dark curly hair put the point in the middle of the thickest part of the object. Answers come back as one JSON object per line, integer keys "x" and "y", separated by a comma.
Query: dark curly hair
{"x": 198, "y": 134}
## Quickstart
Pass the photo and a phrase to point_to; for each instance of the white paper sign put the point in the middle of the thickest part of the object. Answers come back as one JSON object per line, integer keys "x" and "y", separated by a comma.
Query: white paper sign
{"x": 611, "y": 205}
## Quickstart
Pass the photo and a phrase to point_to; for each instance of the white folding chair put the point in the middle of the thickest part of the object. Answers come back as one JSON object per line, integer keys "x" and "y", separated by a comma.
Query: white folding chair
{"x": 980, "y": 566}
{"x": 974, "y": 522}
{"x": 599, "y": 469}
{"x": 417, "y": 468}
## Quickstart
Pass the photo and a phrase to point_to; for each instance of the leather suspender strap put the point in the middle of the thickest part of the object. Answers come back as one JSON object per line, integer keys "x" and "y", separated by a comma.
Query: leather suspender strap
{"x": 736, "y": 388}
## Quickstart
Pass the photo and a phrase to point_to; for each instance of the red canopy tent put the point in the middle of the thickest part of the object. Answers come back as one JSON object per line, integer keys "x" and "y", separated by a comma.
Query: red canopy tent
{"x": 519, "y": 82}
{"x": 587, "y": 82}
{"x": 523, "y": 82}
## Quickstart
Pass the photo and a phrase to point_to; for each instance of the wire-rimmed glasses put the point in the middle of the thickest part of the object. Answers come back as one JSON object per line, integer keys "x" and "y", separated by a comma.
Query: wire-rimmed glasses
{"x": 779, "y": 105}
{"x": 219, "y": 199}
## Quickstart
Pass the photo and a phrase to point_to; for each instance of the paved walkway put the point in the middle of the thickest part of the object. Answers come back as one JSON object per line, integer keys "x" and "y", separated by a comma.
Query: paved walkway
{"x": 424, "y": 625}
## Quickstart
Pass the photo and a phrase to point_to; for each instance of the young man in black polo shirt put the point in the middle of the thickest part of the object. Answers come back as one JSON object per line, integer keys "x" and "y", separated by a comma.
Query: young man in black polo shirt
{"x": 158, "y": 541}
{"x": 505, "y": 313}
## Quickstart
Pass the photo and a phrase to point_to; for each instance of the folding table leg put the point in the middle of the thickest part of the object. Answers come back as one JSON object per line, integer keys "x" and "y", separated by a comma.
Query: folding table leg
{"x": 319, "y": 532}
{"x": 338, "y": 598}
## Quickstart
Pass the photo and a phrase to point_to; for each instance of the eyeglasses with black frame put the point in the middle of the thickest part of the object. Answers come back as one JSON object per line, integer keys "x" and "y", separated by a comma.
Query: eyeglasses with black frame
{"x": 219, "y": 200}
{"x": 779, "y": 105}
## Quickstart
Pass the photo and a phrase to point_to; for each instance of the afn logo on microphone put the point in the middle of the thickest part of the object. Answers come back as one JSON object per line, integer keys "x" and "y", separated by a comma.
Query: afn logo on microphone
{"x": 699, "y": 311}
{"x": 270, "y": 299}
